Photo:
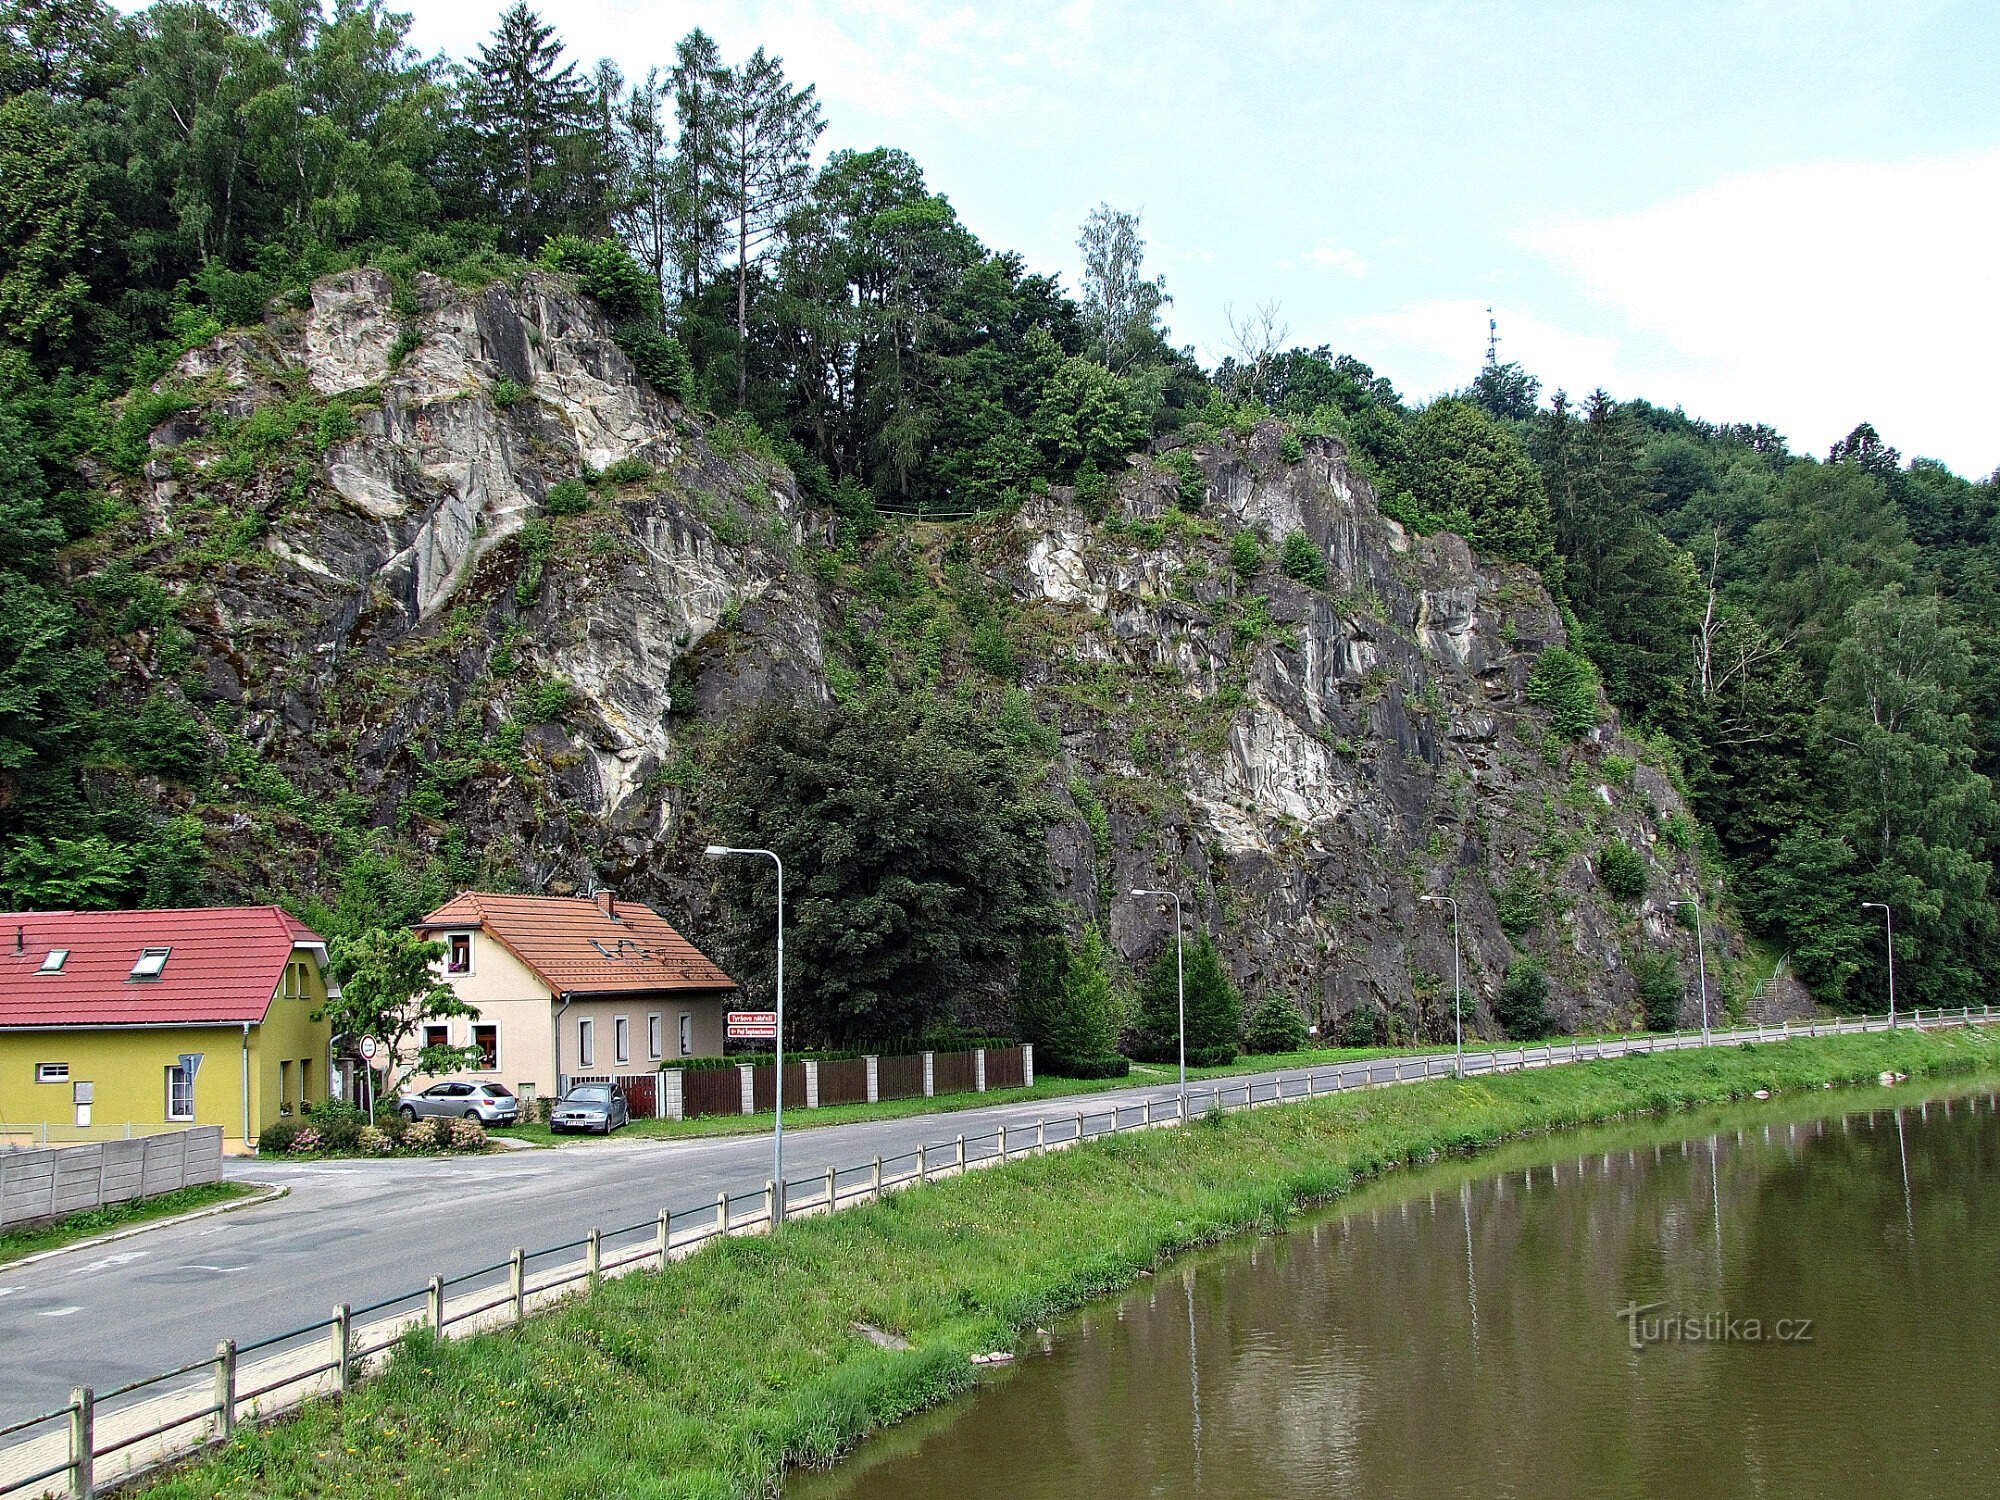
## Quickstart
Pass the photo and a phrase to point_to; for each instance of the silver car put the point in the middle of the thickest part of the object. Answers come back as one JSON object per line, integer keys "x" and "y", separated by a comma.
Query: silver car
{"x": 489, "y": 1103}
{"x": 590, "y": 1106}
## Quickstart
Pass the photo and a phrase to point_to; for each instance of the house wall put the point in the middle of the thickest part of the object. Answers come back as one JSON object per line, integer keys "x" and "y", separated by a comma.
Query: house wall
{"x": 704, "y": 1008}
{"x": 128, "y": 1067}
{"x": 289, "y": 1035}
{"x": 508, "y": 996}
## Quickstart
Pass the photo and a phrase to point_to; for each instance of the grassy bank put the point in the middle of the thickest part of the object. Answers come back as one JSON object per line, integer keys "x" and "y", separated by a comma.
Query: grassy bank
{"x": 35, "y": 1238}
{"x": 707, "y": 1380}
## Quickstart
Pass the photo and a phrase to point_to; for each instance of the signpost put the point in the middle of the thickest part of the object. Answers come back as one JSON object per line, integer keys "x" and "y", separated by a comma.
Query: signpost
{"x": 752, "y": 1025}
{"x": 369, "y": 1047}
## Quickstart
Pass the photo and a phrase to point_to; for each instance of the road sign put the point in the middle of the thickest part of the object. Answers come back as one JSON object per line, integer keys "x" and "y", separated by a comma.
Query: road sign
{"x": 191, "y": 1065}
{"x": 753, "y": 1024}
{"x": 369, "y": 1047}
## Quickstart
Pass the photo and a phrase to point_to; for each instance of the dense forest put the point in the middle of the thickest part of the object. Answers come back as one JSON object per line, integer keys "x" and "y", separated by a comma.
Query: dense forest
{"x": 1814, "y": 643}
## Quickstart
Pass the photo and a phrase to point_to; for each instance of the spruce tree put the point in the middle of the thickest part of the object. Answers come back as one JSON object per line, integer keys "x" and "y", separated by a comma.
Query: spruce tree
{"x": 535, "y": 120}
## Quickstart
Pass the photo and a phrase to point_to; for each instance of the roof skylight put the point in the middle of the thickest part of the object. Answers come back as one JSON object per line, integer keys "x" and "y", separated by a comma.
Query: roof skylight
{"x": 151, "y": 963}
{"x": 53, "y": 960}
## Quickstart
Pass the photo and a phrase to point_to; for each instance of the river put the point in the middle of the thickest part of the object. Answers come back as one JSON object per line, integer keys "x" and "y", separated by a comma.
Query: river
{"x": 1763, "y": 1301}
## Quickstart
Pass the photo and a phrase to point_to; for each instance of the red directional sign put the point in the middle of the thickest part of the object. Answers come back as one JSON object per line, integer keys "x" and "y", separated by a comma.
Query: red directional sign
{"x": 747, "y": 1025}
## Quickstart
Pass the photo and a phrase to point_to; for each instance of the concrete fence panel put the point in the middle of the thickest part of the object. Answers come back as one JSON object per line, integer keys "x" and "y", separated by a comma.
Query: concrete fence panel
{"x": 58, "y": 1181}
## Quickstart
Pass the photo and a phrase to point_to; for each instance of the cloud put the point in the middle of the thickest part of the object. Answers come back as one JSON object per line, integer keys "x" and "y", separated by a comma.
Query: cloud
{"x": 1338, "y": 259}
{"x": 1813, "y": 297}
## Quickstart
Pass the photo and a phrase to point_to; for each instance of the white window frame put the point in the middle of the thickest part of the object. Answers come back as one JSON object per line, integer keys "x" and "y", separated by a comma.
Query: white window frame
{"x": 52, "y": 1072}
{"x": 449, "y": 939}
{"x": 284, "y": 1085}
{"x": 53, "y": 961}
{"x": 152, "y": 963}
{"x": 480, "y": 1065}
{"x": 687, "y": 1034}
{"x": 174, "y": 1073}
{"x": 621, "y": 1039}
{"x": 656, "y": 1035}
{"x": 586, "y": 1042}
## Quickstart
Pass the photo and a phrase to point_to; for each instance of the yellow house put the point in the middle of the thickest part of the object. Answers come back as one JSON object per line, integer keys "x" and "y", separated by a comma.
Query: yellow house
{"x": 116, "y": 1022}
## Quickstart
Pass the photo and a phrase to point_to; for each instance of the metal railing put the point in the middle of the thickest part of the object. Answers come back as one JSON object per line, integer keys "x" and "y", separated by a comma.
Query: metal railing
{"x": 147, "y": 1423}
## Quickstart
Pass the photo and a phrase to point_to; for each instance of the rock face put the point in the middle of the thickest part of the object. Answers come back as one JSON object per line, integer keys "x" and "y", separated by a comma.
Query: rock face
{"x": 381, "y": 606}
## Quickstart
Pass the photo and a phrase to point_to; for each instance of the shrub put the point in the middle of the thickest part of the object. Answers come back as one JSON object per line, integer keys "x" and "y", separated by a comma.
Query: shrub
{"x": 1618, "y": 769}
{"x": 1522, "y": 1006}
{"x": 304, "y": 1141}
{"x": 567, "y": 497}
{"x": 1302, "y": 560}
{"x": 659, "y": 359}
{"x": 1565, "y": 683}
{"x": 607, "y": 271}
{"x": 339, "y": 1125}
{"x": 1519, "y": 903}
{"x": 373, "y": 1140}
{"x": 1290, "y": 449}
{"x": 1111, "y": 1065}
{"x": 507, "y": 393}
{"x": 278, "y": 1136}
{"x": 1678, "y": 830}
{"x": 1659, "y": 990}
{"x": 630, "y": 469}
{"x": 466, "y": 1135}
{"x": 548, "y": 701}
{"x": 1365, "y": 1026}
{"x": 1277, "y": 1025}
{"x": 991, "y": 652}
{"x": 408, "y": 339}
{"x": 1191, "y": 491}
{"x": 1246, "y": 554}
{"x": 1621, "y": 870}
{"x": 424, "y": 1135}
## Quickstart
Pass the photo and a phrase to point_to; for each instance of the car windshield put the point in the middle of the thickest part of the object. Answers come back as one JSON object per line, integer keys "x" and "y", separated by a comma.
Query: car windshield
{"x": 595, "y": 1093}
{"x": 498, "y": 1090}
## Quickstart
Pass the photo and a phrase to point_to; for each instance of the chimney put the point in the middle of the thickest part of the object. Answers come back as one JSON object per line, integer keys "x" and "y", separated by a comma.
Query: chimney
{"x": 606, "y": 903}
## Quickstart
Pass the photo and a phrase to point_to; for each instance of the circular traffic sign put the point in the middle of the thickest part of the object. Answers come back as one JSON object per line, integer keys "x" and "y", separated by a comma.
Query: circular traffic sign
{"x": 369, "y": 1047}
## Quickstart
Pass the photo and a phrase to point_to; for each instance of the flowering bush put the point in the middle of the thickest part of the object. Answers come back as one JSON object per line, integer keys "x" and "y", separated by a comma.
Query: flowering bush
{"x": 467, "y": 1135}
{"x": 374, "y": 1141}
{"x": 423, "y": 1135}
{"x": 305, "y": 1141}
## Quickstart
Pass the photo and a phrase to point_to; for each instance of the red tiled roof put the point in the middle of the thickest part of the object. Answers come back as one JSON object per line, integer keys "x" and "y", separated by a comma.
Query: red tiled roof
{"x": 226, "y": 964}
{"x": 576, "y": 949}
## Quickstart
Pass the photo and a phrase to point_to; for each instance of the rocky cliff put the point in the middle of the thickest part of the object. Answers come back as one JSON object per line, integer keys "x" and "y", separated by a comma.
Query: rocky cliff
{"x": 359, "y": 561}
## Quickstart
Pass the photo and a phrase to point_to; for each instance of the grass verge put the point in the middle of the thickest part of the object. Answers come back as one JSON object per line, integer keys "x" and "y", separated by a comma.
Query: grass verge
{"x": 797, "y": 1117}
{"x": 33, "y": 1239}
{"x": 707, "y": 1380}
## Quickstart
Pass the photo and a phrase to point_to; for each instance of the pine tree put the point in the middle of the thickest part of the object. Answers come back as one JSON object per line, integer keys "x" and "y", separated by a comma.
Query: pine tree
{"x": 700, "y": 86}
{"x": 535, "y": 119}
{"x": 1214, "y": 1008}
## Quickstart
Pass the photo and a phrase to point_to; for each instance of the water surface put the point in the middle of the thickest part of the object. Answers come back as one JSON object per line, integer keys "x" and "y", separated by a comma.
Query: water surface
{"x": 1606, "y": 1322}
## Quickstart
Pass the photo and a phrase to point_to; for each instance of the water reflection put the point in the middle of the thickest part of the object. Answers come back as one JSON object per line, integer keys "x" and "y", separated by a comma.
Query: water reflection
{"x": 1384, "y": 1350}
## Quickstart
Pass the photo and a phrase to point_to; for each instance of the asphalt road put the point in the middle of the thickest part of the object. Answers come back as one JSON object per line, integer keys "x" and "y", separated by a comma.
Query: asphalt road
{"x": 362, "y": 1231}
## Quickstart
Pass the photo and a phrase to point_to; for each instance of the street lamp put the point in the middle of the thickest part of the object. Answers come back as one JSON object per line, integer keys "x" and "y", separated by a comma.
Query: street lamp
{"x": 1457, "y": 979}
{"x": 718, "y": 851}
{"x": 1180, "y": 980}
{"x": 1888, "y": 926}
{"x": 1701, "y": 962}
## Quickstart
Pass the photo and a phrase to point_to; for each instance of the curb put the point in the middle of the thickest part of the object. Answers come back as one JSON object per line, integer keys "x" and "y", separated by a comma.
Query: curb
{"x": 266, "y": 1193}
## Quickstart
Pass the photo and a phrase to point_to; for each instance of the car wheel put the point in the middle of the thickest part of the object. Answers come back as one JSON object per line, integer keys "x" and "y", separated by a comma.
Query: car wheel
{"x": 408, "y": 1111}
{"x": 472, "y": 1114}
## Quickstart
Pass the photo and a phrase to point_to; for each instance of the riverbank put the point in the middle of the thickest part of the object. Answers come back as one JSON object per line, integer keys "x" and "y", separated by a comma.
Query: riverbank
{"x": 709, "y": 1379}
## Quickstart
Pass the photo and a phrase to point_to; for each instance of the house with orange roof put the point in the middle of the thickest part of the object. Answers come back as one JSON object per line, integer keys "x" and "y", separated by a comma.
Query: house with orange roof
{"x": 573, "y": 986}
{"x": 135, "y": 1021}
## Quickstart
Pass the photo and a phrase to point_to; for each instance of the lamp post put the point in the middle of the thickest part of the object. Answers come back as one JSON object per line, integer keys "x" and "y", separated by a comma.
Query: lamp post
{"x": 718, "y": 851}
{"x": 1180, "y": 980}
{"x": 1889, "y": 928}
{"x": 1457, "y": 981}
{"x": 1701, "y": 962}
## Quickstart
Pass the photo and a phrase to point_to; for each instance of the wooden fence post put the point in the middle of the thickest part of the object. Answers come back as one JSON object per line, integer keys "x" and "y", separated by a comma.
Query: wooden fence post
{"x": 876, "y": 1181}
{"x": 722, "y": 1213}
{"x": 437, "y": 1305}
{"x": 959, "y": 1157}
{"x": 666, "y": 1233}
{"x": 832, "y": 1188}
{"x": 225, "y": 1389}
{"x": 593, "y": 1259}
{"x": 343, "y": 1345}
{"x": 517, "y": 1283}
{"x": 772, "y": 1209}
{"x": 82, "y": 1443}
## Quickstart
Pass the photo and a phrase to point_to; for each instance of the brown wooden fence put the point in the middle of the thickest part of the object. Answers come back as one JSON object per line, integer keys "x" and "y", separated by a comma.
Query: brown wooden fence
{"x": 764, "y": 1086}
{"x": 900, "y": 1077}
{"x": 1005, "y": 1068}
{"x": 844, "y": 1082}
{"x": 953, "y": 1073}
{"x": 711, "y": 1091}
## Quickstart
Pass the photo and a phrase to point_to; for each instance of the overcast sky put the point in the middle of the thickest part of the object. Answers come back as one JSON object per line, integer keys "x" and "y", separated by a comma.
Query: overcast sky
{"x": 1778, "y": 212}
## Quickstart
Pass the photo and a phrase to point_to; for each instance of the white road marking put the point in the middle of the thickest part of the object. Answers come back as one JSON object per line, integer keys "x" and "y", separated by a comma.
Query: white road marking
{"x": 119, "y": 1258}
{"x": 8, "y": 1291}
{"x": 224, "y": 1269}
{"x": 57, "y": 1312}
